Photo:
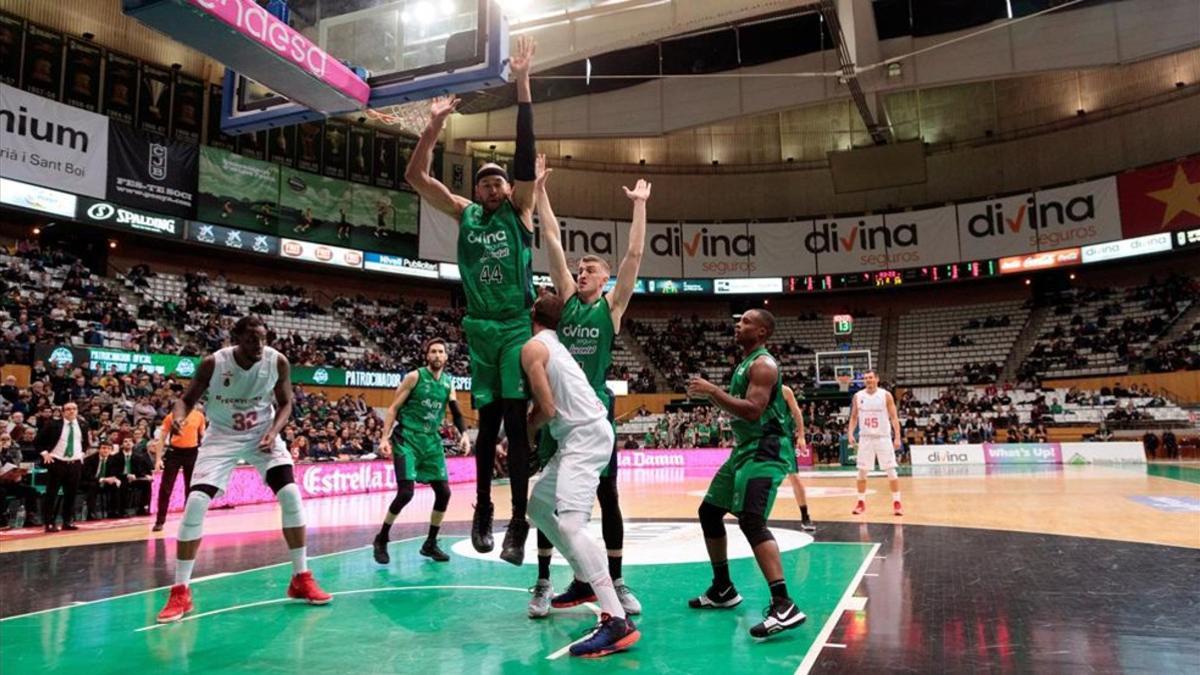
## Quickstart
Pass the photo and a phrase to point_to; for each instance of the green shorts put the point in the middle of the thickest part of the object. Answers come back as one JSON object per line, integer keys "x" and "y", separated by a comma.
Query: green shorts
{"x": 748, "y": 485}
{"x": 495, "y": 348}
{"x": 420, "y": 459}
{"x": 547, "y": 446}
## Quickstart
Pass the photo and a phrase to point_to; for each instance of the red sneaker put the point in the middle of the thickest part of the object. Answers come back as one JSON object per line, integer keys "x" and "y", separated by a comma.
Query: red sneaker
{"x": 896, "y": 508}
{"x": 859, "y": 508}
{"x": 178, "y": 604}
{"x": 304, "y": 587}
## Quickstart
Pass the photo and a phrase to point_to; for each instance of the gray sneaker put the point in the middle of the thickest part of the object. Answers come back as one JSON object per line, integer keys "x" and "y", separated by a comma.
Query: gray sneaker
{"x": 628, "y": 600}
{"x": 539, "y": 604}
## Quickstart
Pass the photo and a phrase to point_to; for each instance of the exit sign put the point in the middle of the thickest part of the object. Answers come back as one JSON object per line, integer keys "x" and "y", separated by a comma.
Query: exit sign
{"x": 843, "y": 324}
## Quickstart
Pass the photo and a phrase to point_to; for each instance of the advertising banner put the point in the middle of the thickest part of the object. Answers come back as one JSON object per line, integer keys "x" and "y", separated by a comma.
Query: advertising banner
{"x": 383, "y": 220}
{"x": 34, "y": 198}
{"x": 717, "y": 250}
{"x": 439, "y": 236}
{"x": 1104, "y": 453}
{"x": 113, "y": 215}
{"x": 150, "y": 172}
{"x": 920, "y": 238}
{"x": 82, "y": 81}
{"x": 74, "y": 155}
{"x": 123, "y": 361}
{"x": 1040, "y": 261}
{"x": 855, "y": 244}
{"x": 394, "y": 264}
{"x": 236, "y": 191}
{"x": 946, "y": 455}
{"x": 1075, "y": 215}
{"x": 187, "y": 109}
{"x": 1022, "y": 453}
{"x": 42, "y": 74}
{"x": 154, "y": 100}
{"x": 997, "y": 227}
{"x": 1127, "y": 248}
{"x": 321, "y": 253}
{"x": 12, "y": 38}
{"x": 780, "y": 248}
{"x": 228, "y": 237}
{"x": 580, "y": 237}
{"x": 661, "y": 257}
{"x": 1160, "y": 198}
{"x": 120, "y": 87}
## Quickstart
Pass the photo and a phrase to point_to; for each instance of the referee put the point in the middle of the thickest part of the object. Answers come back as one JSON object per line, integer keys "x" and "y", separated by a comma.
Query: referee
{"x": 175, "y": 452}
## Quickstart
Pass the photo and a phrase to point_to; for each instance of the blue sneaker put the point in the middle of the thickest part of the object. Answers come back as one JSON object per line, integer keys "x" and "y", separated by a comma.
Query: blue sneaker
{"x": 612, "y": 636}
{"x": 576, "y": 594}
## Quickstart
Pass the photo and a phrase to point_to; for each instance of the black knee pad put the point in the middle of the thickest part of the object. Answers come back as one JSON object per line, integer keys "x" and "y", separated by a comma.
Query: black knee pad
{"x": 279, "y": 477}
{"x": 712, "y": 520}
{"x": 404, "y": 495}
{"x": 441, "y": 495}
{"x": 754, "y": 526}
{"x": 210, "y": 490}
{"x": 612, "y": 524}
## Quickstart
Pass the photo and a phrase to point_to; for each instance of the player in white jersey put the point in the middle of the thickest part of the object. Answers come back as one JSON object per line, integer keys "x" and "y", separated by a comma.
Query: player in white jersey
{"x": 244, "y": 383}
{"x": 873, "y": 412}
{"x": 561, "y": 501}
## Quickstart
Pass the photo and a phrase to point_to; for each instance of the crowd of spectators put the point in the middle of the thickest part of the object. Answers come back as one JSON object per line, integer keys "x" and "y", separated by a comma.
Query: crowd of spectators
{"x": 681, "y": 349}
{"x": 1181, "y": 354}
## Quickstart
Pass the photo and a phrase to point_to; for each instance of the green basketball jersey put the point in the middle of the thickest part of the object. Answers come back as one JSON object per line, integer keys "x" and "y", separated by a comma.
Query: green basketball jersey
{"x": 764, "y": 439}
{"x": 586, "y": 330}
{"x": 495, "y": 257}
{"x": 425, "y": 409}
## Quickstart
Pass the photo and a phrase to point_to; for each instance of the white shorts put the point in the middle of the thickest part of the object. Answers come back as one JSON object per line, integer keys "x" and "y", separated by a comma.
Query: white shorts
{"x": 570, "y": 478}
{"x": 219, "y": 454}
{"x": 871, "y": 448}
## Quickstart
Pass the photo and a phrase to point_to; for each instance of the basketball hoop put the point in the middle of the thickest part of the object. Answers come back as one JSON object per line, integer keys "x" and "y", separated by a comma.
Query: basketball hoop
{"x": 411, "y": 118}
{"x": 843, "y": 382}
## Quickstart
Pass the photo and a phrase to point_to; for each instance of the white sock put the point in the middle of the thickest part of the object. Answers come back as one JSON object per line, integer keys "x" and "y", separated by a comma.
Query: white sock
{"x": 606, "y": 594}
{"x": 862, "y": 496}
{"x": 183, "y": 571}
{"x": 895, "y": 496}
{"x": 299, "y": 559}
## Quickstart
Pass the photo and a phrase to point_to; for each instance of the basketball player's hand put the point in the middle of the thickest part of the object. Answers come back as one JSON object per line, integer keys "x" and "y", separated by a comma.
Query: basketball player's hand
{"x": 698, "y": 387}
{"x": 639, "y": 193}
{"x": 158, "y": 465}
{"x": 464, "y": 443}
{"x": 542, "y": 173}
{"x": 267, "y": 443}
{"x": 47, "y": 458}
{"x": 521, "y": 59}
{"x": 441, "y": 107}
{"x": 896, "y": 444}
{"x": 385, "y": 448}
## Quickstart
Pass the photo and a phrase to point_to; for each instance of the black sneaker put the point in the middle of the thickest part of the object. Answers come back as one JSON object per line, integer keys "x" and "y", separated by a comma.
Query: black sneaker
{"x": 514, "y": 542}
{"x": 781, "y": 615}
{"x": 430, "y": 549}
{"x": 481, "y": 529}
{"x": 381, "y": 552}
{"x": 576, "y": 594}
{"x": 806, "y": 525}
{"x": 715, "y": 598}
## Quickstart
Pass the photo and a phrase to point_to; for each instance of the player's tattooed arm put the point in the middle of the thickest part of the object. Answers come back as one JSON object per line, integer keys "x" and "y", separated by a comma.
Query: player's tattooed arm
{"x": 403, "y": 390}
{"x": 560, "y": 272}
{"x": 631, "y": 264}
{"x": 417, "y": 173}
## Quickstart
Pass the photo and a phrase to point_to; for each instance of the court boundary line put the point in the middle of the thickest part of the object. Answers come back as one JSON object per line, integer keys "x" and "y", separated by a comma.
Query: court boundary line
{"x": 814, "y": 650}
{"x": 561, "y": 652}
{"x": 217, "y": 575}
{"x": 381, "y": 589}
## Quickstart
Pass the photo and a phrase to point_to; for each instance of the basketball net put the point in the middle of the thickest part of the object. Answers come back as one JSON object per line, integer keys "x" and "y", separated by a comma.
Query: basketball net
{"x": 843, "y": 382}
{"x": 411, "y": 118}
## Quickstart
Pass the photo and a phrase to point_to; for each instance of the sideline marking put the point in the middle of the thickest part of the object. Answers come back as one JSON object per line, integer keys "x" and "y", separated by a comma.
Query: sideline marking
{"x": 814, "y": 651}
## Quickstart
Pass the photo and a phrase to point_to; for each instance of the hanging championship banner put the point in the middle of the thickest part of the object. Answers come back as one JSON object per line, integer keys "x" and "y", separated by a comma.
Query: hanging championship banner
{"x": 12, "y": 38}
{"x": 309, "y": 137}
{"x": 187, "y": 109}
{"x": 43, "y": 62}
{"x": 216, "y": 137}
{"x": 362, "y": 162}
{"x": 253, "y": 145}
{"x": 281, "y": 145}
{"x": 154, "y": 100}
{"x": 120, "y": 88}
{"x": 384, "y": 174}
{"x": 82, "y": 81}
{"x": 149, "y": 172}
{"x": 337, "y": 138}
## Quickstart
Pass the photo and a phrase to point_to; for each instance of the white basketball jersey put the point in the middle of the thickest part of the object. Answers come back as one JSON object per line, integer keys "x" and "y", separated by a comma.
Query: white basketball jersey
{"x": 574, "y": 400}
{"x": 242, "y": 400}
{"x": 873, "y": 414}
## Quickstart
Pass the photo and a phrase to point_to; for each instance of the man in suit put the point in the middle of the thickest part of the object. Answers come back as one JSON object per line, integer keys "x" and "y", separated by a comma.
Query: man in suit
{"x": 136, "y": 473}
{"x": 101, "y": 477}
{"x": 62, "y": 443}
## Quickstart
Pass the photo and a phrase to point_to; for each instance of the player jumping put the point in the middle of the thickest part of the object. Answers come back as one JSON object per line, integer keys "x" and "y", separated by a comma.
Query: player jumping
{"x": 873, "y": 412}
{"x": 590, "y": 323}
{"x": 495, "y": 239}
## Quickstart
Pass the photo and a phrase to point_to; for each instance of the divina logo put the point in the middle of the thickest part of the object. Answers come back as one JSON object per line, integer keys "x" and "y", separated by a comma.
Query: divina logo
{"x": 579, "y": 241}
{"x": 828, "y": 239}
{"x": 671, "y": 243}
{"x": 947, "y": 457}
{"x": 578, "y": 331}
{"x": 1036, "y": 216}
{"x": 498, "y": 237}
{"x": 21, "y": 124}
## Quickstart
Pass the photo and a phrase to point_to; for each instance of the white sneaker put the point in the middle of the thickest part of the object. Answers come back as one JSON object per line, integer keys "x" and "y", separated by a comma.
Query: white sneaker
{"x": 628, "y": 600}
{"x": 539, "y": 604}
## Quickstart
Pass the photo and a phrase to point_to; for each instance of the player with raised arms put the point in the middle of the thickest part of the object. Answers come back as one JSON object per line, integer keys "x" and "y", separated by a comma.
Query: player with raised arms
{"x": 495, "y": 256}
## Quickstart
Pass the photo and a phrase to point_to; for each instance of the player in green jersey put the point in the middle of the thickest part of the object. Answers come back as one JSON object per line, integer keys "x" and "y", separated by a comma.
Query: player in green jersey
{"x": 796, "y": 431}
{"x": 746, "y": 483}
{"x": 412, "y": 438}
{"x": 591, "y": 320}
{"x": 495, "y": 239}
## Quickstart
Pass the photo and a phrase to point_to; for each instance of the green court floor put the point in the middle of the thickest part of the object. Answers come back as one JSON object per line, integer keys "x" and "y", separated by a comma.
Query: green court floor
{"x": 417, "y": 616}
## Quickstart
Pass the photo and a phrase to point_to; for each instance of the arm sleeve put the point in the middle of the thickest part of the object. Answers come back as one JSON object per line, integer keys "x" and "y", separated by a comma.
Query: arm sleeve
{"x": 457, "y": 416}
{"x": 525, "y": 157}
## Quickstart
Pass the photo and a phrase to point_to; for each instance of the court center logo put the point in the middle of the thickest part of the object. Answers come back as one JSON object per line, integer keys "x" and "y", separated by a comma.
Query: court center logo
{"x": 653, "y": 543}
